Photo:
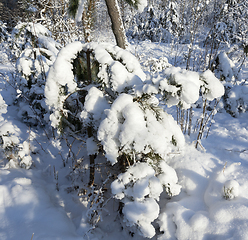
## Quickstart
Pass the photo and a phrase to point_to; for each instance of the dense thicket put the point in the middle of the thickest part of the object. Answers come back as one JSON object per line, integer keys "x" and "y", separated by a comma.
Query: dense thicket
{"x": 99, "y": 95}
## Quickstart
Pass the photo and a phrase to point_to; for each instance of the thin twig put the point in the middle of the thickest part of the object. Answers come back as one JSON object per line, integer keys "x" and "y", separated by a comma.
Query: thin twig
{"x": 32, "y": 236}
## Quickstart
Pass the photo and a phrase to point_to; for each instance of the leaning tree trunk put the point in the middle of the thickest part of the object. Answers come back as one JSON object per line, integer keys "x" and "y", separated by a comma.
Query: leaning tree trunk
{"x": 117, "y": 24}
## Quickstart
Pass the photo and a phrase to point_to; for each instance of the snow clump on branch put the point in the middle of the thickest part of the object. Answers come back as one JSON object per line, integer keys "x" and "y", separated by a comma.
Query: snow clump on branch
{"x": 139, "y": 189}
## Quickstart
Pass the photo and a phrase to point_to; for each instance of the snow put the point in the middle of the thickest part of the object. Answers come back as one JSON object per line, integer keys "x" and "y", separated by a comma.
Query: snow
{"x": 142, "y": 133}
{"x": 140, "y": 212}
{"x": 213, "y": 87}
{"x": 231, "y": 189}
{"x": 141, "y": 5}
{"x": 181, "y": 87}
{"x": 27, "y": 207}
{"x": 188, "y": 194}
{"x": 138, "y": 208}
{"x": 118, "y": 77}
{"x": 80, "y": 10}
{"x": 95, "y": 103}
{"x": 91, "y": 146}
{"x": 61, "y": 74}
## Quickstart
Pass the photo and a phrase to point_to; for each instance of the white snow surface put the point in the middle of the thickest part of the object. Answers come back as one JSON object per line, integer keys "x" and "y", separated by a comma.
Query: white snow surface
{"x": 28, "y": 206}
{"x": 204, "y": 209}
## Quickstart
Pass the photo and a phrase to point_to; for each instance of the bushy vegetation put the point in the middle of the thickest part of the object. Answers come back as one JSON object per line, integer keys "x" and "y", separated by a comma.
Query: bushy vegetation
{"x": 101, "y": 96}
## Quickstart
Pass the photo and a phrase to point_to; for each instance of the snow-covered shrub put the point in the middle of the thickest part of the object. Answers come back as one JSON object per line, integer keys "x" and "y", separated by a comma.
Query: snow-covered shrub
{"x": 235, "y": 99}
{"x": 170, "y": 19}
{"x": 235, "y": 18}
{"x": 32, "y": 35}
{"x": 147, "y": 25}
{"x": 180, "y": 87}
{"x": 218, "y": 37}
{"x": 4, "y": 43}
{"x": 11, "y": 148}
{"x": 53, "y": 14}
{"x": 230, "y": 189}
{"x": 16, "y": 153}
{"x": 154, "y": 65}
{"x": 115, "y": 112}
{"x": 211, "y": 88}
{"x": 138, "y": 126}
{"x": 158, "y": 24}
{"x": 8, "y": 133}
{"x": 225, "y": 69}
{"x": 139, "y": 188}
{"x": 112, "y": 71}
{"x": 37, "y": 51}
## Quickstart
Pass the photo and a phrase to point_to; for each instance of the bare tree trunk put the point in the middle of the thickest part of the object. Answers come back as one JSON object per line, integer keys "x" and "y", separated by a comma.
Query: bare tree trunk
{"x": 92, "y": 161}
{"x": 117, "y": 24}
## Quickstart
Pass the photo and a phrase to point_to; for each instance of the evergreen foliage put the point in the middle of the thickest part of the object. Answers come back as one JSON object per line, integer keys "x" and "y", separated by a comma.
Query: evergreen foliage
{"x": 99, "y": 95}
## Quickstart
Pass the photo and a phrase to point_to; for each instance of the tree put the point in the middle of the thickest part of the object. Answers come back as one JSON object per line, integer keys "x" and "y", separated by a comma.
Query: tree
{"x": 117, "y": 25}
{"x": 98, "y": 93}
{"x": 76, "y": 8}
{"x": 53, "y": 15}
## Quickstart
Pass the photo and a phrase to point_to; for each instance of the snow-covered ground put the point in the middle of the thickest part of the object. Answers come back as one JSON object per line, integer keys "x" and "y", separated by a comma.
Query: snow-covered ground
{"x": 39, "y": 203}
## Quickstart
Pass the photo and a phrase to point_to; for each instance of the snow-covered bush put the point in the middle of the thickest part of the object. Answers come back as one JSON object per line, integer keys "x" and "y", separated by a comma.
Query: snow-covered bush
{"x": 138, "y": 126}
{"x": 11, "y": 148}
{"x": 235, "y": 18}
{"x": 139, "y": 188}
{"x": 32, "y": 35}
{"x": 235, "y": 99}
{"x": 180, "y": 87}
{"x": 112, "y": 70}
{"x": 218, "y": 37}
{"x": 170, "y": 20}
{"x": 8, "y": 133}
{"x": 231, "y": 189}
{"x": 101, "y": 90}
{"x": 147, "y": 25}
{"x": 52, "y": 14}
{"x": 4, "y": 43}
{"x": 225, "y": 69}
{"x": 37, "y": 51}
{"x": 112, "y": 109}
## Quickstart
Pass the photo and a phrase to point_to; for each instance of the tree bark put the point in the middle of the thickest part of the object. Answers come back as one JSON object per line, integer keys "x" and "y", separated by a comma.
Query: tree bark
{"x": 92, "y": 160}
{"x": 117, "y": 24}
